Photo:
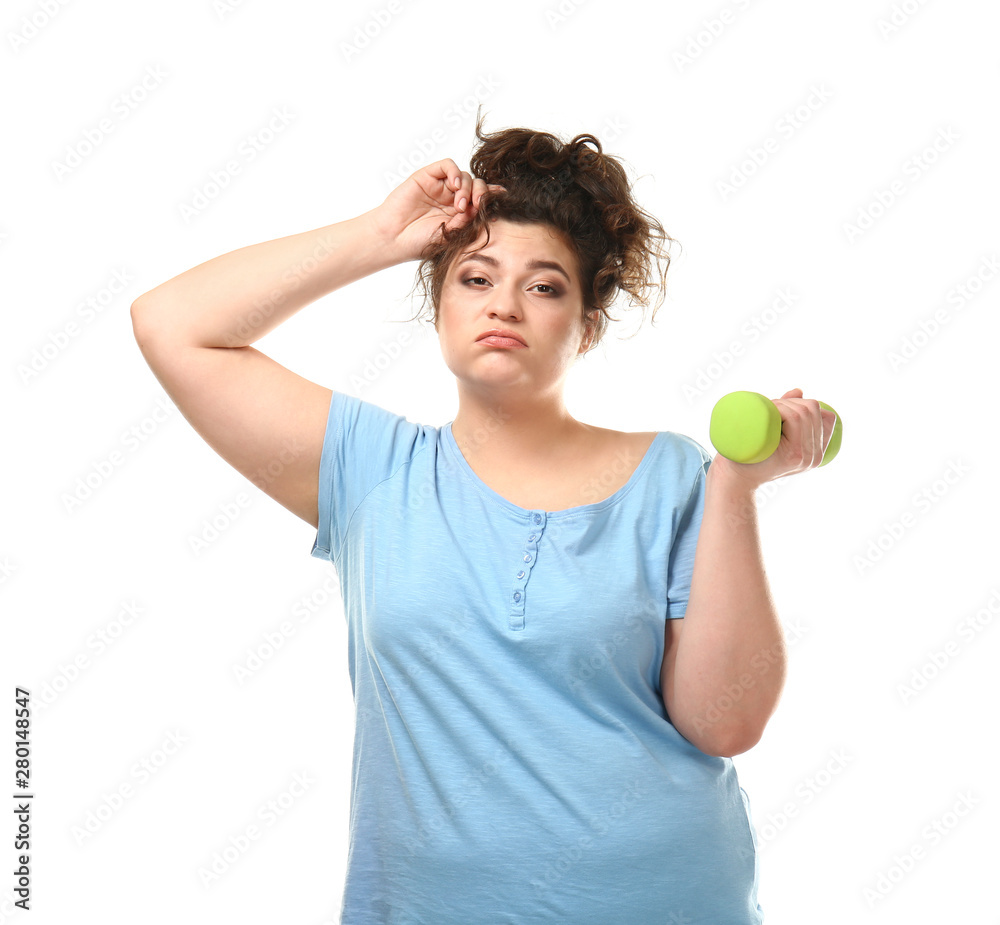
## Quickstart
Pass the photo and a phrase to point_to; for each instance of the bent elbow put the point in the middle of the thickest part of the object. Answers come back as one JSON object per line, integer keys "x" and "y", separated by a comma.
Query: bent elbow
{"x": 727, "y": 743}
{"x": 735, "y": 744}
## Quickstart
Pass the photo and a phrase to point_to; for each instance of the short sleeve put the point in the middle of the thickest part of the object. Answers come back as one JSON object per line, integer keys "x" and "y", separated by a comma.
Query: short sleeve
{"x": 363, "y": 445}
{"x": 688, "y": 515}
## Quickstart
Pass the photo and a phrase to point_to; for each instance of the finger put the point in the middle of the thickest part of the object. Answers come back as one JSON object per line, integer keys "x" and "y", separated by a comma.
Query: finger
{"x": 802, "y": 427}
{"x": 479, "y": 188}
{"x": 829, "y": 422}
{"x": 471, "y": 191}
{"x": 444, "y": 170}
{"x": 463, "y": 191}
{"x": 439, "y": 181}
{"x": 813, "y": 432}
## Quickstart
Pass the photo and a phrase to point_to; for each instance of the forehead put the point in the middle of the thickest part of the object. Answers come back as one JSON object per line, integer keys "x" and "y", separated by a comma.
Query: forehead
{"x": 536, "y": 240}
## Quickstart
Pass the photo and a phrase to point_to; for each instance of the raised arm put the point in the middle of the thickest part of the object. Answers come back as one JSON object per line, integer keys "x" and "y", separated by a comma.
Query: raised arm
{"x": 233, "y": 300}
{"x": 195, "y": 330}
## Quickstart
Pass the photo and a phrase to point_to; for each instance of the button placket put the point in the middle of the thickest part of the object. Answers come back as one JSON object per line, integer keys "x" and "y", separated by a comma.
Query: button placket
{"x": 536, "y": 525}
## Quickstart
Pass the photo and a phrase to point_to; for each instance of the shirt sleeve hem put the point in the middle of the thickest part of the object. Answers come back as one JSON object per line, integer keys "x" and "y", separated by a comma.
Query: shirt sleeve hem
{"x": 325, "y": 488}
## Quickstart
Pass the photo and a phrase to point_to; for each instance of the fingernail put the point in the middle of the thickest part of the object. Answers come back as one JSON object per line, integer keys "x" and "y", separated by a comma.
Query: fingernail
{"x": 461, "y": 204}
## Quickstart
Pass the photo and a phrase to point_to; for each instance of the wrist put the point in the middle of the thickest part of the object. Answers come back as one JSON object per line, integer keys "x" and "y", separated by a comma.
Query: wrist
{"x": 726, "y": 478}
{"x": 385, "y": 240}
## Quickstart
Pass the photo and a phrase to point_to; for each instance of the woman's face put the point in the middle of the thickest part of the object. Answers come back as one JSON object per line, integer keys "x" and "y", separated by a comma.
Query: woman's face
{"x": 526, "y": 281}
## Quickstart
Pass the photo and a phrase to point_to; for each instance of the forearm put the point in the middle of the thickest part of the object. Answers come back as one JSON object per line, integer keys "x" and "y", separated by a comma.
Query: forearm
{"x": 236, "y": 298}
{"x": 731, "y": 657}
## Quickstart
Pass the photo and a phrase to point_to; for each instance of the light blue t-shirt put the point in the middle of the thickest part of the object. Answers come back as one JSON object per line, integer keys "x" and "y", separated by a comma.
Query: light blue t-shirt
{"x": 513, "y": 760}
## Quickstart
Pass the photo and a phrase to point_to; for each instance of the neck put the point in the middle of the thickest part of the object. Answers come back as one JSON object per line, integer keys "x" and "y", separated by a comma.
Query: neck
{"x": 501, "y": 427}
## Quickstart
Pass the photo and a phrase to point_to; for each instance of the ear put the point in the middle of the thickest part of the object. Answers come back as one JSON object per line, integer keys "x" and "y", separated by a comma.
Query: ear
{"x": 590, "y": 330}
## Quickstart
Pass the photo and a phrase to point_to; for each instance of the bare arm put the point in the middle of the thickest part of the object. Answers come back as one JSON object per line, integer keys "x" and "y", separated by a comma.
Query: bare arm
{"x": 723, "y": 673}
{"x": 237, "y": 298}
{"x": 195, "y": 330}
{"x": 724, "y": 670}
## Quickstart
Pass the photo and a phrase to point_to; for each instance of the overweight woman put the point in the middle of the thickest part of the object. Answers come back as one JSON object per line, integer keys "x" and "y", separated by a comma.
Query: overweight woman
{"x": 558, "y": 634}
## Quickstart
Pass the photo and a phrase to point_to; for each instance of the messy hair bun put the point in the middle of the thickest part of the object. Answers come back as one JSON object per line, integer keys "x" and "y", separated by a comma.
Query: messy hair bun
{"x": 581, "y": 192}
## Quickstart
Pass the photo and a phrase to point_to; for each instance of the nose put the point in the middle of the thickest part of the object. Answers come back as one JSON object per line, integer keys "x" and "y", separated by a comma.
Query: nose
{"x": 503, "y": 303}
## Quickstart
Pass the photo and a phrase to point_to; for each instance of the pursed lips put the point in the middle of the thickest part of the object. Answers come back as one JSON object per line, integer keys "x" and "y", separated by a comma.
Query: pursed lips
{"x": 501, "y": 333}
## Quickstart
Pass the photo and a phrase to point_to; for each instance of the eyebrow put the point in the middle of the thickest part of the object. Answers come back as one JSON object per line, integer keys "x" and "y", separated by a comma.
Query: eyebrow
{"x": 529, "y": 265}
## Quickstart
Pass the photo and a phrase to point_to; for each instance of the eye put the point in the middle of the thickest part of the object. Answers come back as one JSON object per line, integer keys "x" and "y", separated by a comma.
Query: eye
{"x": 550, "y": 289}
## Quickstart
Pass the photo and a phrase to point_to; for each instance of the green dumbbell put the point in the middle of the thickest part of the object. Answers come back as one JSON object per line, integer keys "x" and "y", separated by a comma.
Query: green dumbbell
{"x": 746, "y": 428}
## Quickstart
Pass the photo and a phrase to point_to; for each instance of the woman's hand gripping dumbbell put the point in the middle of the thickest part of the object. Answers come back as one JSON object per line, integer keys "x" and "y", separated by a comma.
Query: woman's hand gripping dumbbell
{"x": 775, "y": 438}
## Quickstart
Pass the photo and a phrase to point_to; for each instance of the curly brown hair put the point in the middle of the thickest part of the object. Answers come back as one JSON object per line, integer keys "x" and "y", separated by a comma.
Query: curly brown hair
{"x": 580, "y": 192}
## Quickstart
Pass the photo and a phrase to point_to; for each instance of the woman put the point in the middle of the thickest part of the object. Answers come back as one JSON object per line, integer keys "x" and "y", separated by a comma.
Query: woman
{"x": 559, "y": 634}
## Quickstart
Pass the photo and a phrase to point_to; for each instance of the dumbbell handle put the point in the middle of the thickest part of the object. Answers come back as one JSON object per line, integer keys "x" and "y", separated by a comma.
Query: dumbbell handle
{"x": 746, "y": 428}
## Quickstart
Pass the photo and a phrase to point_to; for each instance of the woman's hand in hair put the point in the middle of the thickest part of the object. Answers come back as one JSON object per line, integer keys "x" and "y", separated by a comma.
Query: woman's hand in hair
{"x": 412, "y": 214}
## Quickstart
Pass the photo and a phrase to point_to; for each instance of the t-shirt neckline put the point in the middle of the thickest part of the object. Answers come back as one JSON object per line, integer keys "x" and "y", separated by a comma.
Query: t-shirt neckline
{"x": 593, "y": 507}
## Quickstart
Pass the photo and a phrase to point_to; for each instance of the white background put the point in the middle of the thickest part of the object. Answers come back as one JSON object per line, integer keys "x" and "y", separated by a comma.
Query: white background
{"x": 877, "y": 562}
